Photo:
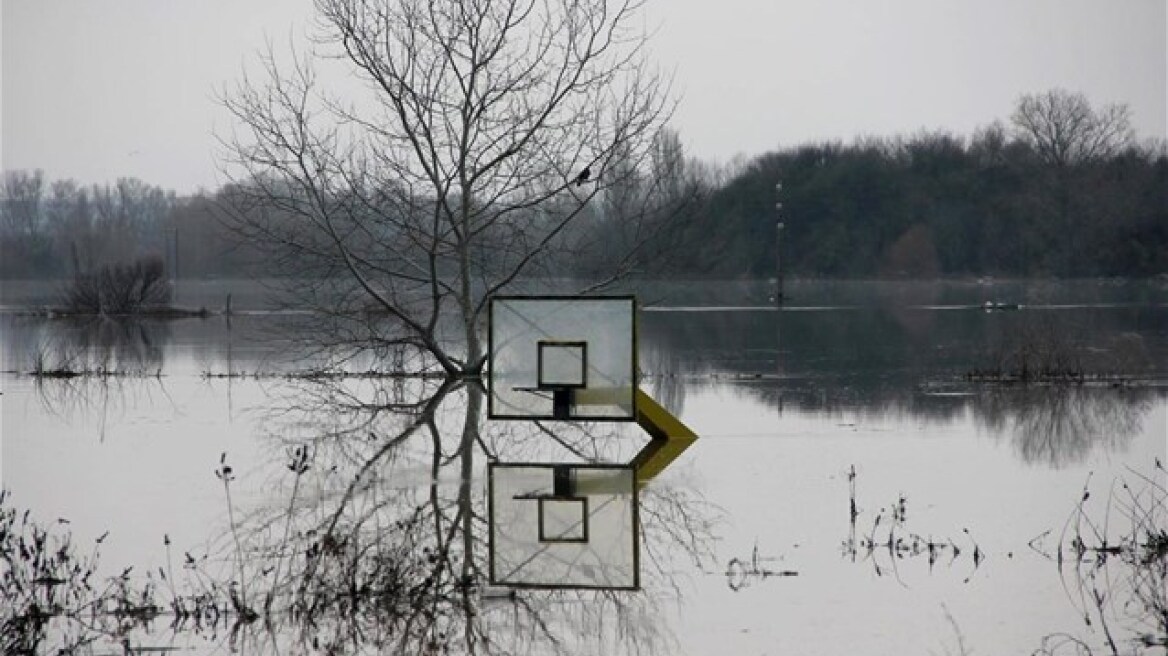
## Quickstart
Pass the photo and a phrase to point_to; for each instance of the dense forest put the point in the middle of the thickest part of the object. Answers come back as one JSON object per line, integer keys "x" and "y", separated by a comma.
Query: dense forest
{"x": 935, "y": 205}
{"x": 1063, "y": 189}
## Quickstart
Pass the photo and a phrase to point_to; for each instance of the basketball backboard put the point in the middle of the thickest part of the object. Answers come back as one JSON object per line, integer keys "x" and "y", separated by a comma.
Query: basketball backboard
{"x": 562, "y": 357}
{"x": 564, "y": 526}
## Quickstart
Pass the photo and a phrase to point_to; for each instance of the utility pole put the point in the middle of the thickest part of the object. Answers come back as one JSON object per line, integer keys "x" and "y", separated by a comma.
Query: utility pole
{"x": 779, "y": 243}
{"x": 779, "y": 290}
{"x": 173, "y": 263}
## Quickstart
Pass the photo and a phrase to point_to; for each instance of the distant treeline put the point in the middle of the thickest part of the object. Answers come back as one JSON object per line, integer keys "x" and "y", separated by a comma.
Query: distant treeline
{"x": 60, "y": 229}
{"x": 1063, "y": 190}
{"x": 934, "y": 205}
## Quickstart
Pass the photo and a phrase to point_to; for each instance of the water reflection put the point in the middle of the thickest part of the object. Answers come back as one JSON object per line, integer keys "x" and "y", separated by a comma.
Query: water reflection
{"x": 121, "y": 346}
{"x": 90, "y": 369}
{"x": 912, "y": 362}
{"x": 1061, "y": 425}
{"x": 372, "y": 529}
{"x": 564, "y": 525}
{"x": 371, "y": 535}
{"x": 846, "y": 361}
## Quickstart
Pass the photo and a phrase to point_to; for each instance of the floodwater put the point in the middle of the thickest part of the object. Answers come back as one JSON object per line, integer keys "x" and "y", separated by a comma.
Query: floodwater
{"x": 977, "y": 505}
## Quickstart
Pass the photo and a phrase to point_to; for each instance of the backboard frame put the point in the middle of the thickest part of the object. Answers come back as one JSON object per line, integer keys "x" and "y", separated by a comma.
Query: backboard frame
{"x": 494, "y": 412}
{"x": 634, "y": 536}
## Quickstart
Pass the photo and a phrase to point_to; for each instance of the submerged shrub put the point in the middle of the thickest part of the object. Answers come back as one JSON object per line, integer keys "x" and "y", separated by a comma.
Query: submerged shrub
{"x": 120, "y": 288}
{"x": 1038, "y": 351}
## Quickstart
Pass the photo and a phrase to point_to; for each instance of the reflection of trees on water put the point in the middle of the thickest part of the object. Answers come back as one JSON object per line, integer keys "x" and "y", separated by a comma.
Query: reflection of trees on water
{"x": 889, "y": 363}
{"x": 91, "y": 366}
{"x": 1060, "y": 425}
{"x": 377, "y": 540}
{"x": 668, "y": 386}
{"x": 122, "y": 345}
{"x": 369, "y": 531}
{"x": 1055, "y": 425}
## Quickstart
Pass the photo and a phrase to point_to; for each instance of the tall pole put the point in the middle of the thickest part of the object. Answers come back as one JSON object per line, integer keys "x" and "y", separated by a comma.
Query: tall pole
{"x": 779, "y": 243}
{"x": 779, "y": 289}
{"x": 174, "y": 281}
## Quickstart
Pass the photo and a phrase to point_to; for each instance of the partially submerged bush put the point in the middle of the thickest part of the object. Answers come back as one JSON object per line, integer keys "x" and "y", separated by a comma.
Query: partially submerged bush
{"x": 120, "y": 288}
{"x": 1045, "y": 352}
{"x": 1039, "y": 352}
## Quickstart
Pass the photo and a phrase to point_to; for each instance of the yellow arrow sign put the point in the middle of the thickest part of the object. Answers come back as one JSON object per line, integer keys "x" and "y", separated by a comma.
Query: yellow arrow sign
{"x": 670, "y": 438}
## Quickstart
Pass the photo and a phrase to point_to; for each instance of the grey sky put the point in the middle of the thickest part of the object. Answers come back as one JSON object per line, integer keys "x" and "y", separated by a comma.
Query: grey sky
{"x": 96, "y": 89}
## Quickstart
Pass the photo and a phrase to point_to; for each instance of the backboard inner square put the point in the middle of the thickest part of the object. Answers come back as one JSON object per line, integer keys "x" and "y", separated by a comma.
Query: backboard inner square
{"x": 563, "y": 520}
{"x": 563, "y": 364}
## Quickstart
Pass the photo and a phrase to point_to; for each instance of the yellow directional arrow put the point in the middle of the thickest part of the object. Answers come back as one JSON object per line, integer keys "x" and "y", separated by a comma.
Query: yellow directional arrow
{"x": 670, "y": 438}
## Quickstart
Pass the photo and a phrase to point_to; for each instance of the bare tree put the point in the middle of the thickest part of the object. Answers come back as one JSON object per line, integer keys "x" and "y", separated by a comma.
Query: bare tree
{"x": 67, "y": 211}
{"x": 23, "y": 197}
{"x": 1065, "y": 129}
{"x": 1069, "y": 135}
{"x": 128, "y": 217}
{"x": 481, "y": 132}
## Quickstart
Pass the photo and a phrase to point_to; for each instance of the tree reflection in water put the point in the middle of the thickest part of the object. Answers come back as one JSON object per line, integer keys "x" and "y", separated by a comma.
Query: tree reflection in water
{"x": 1055, "y": 424}
{"x": 371, "y": 532}
{"x": 1058, "y": 425}
{"x": 376, "y": 536}
{"x": 93, "y": 365}
{"x": 125, "y": 345}
{"x": 892, "y": 357}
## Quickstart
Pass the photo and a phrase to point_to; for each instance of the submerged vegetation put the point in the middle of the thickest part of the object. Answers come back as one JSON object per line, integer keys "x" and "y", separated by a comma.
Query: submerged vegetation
{"x": 1046, "y": 352}
{"x": 122, "y": 290}
{"x": 741, "y": 573}
{"x": 387, "y": 578}
{"x": 56, "y": 602}
{"x": 889, "y": 540}
{"x": 1112, "y": 554}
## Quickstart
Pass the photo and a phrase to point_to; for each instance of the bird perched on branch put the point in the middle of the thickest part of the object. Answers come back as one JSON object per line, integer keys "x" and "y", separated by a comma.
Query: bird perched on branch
{"x": 584, "y": 176}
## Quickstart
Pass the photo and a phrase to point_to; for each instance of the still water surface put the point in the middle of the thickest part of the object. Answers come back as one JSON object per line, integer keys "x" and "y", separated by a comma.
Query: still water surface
{"x": 851, "y": 391}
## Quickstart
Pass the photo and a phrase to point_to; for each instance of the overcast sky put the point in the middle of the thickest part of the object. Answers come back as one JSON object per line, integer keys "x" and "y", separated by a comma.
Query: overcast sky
{"x": 97, "y": 89}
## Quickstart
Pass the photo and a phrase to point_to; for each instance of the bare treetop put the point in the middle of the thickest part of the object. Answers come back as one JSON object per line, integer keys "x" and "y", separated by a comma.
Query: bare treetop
{"x": 1065, "y": 129}
{"x": 465, "y": 88}
{"x": 463, "y": 163}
